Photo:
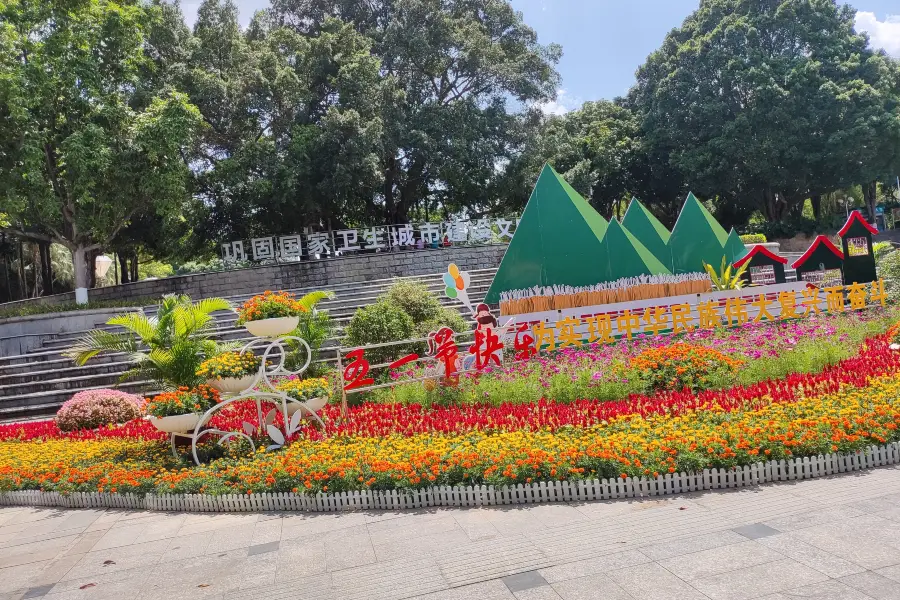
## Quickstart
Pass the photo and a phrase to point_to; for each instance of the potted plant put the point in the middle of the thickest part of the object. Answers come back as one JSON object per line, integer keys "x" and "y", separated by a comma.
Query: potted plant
{"x": 230, "y": 372}
{"x": 180, "y": 411}
{"x": 271, "y": 314}
{"x": 314, "y": 392}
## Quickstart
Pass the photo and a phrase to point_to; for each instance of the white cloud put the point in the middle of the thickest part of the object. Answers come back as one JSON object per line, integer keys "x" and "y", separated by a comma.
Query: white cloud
{"x": 882, "y": 34}
{"x": 560, "y": 106}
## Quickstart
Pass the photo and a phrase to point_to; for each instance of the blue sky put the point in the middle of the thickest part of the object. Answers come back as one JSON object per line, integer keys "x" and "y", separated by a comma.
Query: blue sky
{"x": 605, "y": 41}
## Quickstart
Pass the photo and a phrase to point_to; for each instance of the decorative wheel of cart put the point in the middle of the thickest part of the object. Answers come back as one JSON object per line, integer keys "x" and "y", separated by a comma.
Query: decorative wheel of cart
{"x": 277, "y": 402}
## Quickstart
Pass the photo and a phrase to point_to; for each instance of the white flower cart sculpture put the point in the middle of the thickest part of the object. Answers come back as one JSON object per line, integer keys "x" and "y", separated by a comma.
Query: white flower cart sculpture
{"x": 293, "y": 412}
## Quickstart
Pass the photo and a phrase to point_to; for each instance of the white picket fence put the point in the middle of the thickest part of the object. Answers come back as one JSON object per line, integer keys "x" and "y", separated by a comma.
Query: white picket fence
{"x": 481, "y": 495}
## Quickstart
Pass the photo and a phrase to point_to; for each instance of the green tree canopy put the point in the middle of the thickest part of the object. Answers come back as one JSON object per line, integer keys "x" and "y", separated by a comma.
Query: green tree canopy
{"x": 85, "y": 148}
{"x": 769, "y": 102}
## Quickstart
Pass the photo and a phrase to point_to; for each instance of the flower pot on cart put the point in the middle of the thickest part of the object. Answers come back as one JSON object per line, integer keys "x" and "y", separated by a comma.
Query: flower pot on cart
{"x": 176, "y": 423}
{"x": 231, "y": 385}
{"x": 272, "y": 328}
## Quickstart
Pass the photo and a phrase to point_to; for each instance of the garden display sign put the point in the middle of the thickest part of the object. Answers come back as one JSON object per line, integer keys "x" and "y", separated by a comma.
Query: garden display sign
{"x": 556, "y": 329}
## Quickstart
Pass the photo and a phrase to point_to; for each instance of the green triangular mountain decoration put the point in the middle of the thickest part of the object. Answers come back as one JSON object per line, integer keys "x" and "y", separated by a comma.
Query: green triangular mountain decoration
{"x": 696, "y": 238}
{"x": 558, "y": 241}
{"x": 628, "y": 257}
{"x": 735, "y": 249}
{"x": 648, "y": 230}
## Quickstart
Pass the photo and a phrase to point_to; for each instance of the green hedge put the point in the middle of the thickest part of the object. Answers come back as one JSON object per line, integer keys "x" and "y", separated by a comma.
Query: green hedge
{"x": 753, "y": 238}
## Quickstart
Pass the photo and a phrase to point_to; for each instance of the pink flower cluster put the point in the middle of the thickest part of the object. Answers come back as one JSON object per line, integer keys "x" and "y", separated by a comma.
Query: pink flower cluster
{"x": 91, "y": 409}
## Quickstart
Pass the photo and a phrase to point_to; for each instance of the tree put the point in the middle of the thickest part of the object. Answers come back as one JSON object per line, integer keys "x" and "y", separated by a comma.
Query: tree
{"x": 765, "y": 102}
{"x": 448, "y": 68}
{"x": 85, "y": 148}
{"x": 293, "y": 124}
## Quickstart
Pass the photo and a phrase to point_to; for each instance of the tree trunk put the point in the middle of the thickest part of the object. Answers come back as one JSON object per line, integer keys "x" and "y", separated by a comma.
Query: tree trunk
{"x": 388, "y": 191}
{"x": 123, "y": 266}
{"x": 46, "y": 268}
{"x": 816, "y": 201}
{"x": 870, "y": 191}
{"x": 23, "y": 290}
{"x": 80, "y": 264}
{"x": 92, "y": 268}
{"x": 134, "y": 266}
{"x": 36, "y": 265}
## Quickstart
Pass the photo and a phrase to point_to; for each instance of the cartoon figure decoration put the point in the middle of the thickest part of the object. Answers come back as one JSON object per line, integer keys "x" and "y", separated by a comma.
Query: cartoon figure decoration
{"x": 457, "y": 283}
{"x": 859, "y": 257}
{"x": 487, "y": 348}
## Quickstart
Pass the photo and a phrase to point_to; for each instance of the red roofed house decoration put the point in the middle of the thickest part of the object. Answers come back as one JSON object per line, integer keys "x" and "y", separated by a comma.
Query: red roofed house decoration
{"x": 764, "y": 268}
{"x": 821, "y": 265}
{"x": 859, "y": 257}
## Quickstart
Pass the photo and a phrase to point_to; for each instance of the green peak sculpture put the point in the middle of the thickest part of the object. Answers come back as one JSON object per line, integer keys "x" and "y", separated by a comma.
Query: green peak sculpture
{"x": 647, "y": 228}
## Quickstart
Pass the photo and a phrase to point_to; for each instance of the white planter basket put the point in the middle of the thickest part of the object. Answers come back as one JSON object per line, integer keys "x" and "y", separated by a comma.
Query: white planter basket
{"x": 314, "y": 404}
{"x": 272, "y": 328}
{"x": 231, "y": 385}
{"x": 175, "y": 423}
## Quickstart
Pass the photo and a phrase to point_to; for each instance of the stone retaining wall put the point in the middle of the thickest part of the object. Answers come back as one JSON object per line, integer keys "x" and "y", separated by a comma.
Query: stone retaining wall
{"x": 315, "y": 273}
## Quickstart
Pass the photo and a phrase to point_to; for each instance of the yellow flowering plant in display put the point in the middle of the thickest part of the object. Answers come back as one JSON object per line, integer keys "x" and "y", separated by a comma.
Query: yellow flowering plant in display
{"x": 305, "y": 389}
{"x": 229, "y": 364}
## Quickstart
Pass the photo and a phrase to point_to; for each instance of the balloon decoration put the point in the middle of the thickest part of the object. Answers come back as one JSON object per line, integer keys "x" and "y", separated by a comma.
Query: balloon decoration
{"x": 457, "y": 285}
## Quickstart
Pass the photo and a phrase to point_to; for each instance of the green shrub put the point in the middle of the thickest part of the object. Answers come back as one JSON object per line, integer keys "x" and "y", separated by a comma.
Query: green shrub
{"x": 378, "y": 323}
{"x": 882, "y": 249}
{"x": 446, "y": 317}
{"x": 415, "y": 299}
{"x": 888, "y": 268}
{"x": 753, "y": 238}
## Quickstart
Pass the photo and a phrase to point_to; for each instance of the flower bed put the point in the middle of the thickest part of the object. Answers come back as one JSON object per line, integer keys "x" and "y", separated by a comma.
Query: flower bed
{"x": 630, "y": 445}
{"x": 843, "y": 407}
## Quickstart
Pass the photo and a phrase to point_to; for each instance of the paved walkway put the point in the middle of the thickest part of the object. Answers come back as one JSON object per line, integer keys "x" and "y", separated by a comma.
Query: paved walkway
{"x": 834, "y": 538}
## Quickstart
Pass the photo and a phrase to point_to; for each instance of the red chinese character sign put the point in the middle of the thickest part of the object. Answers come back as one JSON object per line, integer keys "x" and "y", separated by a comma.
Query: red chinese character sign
{"x": 442, "y": 347}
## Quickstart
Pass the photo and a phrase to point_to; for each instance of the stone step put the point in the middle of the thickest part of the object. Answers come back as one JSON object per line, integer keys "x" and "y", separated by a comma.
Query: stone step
{"x": 47, "y": 362}
{"x": 72, "y": 384}
{"x": 48, "y": 402}
{"x": 92, "y": 368}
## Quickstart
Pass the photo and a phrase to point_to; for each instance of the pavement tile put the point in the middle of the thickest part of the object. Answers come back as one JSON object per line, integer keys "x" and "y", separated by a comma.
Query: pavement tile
{"x": 858, "y": 546}
{"x": 827, "y": 590}
{"x": 593, "y": 566}
{"x": 811, "y": 556}
{"x": 688, "y": 545}
{"x": 544, "y": 592}
{"x": 347, "y": 548}
{"x": 755, "y": 531}
{"x": 262, "y": 548}
{"x": 653, "y": 582}
{"x": 524, "y": 581}
{"x": 18, "y": 578}
{"x": 187, "y": 546}
{"x": 304, "y": 525}
{"x": 265, "y": 531}
{"x": 874, "y": 585}
{"x": 231, "y": 538}
{"x": 813, "y": 517}
{"x": 37, "y": 592}
{"x": 719, "y": 560}
{"x": 589, "y": 588}
{"x": 758, "y": 580}
{"x": 387, "y": 580}
{"x": 299, "y": 558}
{"x": 494, "y": 589}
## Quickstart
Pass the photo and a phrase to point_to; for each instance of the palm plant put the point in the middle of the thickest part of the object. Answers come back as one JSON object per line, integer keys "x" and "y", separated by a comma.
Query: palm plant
{"x": 315, "y": 327}
{"x": 167, "y": 348}
{"x": 725, "y": 279}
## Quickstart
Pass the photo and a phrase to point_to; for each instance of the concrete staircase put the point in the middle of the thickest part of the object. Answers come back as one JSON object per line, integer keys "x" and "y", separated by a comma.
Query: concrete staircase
{"x": 35, "y": 384}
